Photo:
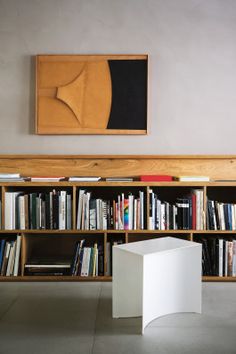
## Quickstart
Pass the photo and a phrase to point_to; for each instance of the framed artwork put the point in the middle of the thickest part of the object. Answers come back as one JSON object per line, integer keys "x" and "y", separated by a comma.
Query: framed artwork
{"x": 91, "y": 94}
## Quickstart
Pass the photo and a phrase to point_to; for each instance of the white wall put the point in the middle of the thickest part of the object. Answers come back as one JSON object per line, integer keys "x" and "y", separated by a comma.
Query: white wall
{"x": 192, "y": 48}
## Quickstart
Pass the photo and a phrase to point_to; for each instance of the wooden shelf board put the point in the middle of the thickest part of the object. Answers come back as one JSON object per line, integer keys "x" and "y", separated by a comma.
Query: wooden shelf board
{"x": 52, "y": 278}
{"x": 218, "y": 279}
{"x": 117, "y": 184}
{"x": 28, "y": 278}
{"x": 74, "y": 231}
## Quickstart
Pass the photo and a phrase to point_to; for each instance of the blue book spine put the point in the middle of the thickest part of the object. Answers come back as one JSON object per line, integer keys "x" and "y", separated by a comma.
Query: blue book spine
{"x": 230, "y": 216}
{"x": 2, "y": 247}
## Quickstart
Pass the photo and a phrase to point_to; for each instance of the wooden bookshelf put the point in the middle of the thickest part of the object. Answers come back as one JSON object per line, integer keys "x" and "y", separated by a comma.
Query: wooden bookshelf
{"x": 216, "y": 167}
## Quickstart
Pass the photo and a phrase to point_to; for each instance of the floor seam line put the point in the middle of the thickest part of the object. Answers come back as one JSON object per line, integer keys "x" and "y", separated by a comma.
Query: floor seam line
{"x": 95, "y": 322}
{"x": 8, "y": 308}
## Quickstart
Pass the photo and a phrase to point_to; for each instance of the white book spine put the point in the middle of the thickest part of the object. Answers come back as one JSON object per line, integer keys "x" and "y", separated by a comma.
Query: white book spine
{"x": 62, "y": 214}
{"x": 96, "y": 270}
{"x": 104, "y": 215}
{"x": 8, "y": 211}
{"x": 222, "y": 216}
{"x": 135, "y": 214}
{"x": 233, "y": 216}
{"x": 234, "y": 259}
{"x": 141, "y": 196}
{"x": 220, "y": 257}
{"x": 153, "y": 211}
{"x": 226, "y": 258}
{"x": 17, "y": 257}
{"x": 21, "y": 200}
{"x": 163, "y": 216}
{"x": 86, "y": 262}
{"x": 122, "y": 211}
{"x": 131, "y": 211}
{"x": 98, "y": 214}
{"x": 158, "y": 215}
{"x": 10, "y": 259}
{"x": 87, "y": 211}
{"x": 79, "y": 210}
{"x": 68, "y": 212}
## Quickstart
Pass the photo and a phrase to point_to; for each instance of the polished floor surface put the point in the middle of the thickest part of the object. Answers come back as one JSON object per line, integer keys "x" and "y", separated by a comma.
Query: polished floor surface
{"x": 72, "y": 318}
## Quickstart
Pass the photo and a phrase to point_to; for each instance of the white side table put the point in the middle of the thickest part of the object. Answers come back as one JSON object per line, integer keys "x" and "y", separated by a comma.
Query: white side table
{"x": 156, "y": 277}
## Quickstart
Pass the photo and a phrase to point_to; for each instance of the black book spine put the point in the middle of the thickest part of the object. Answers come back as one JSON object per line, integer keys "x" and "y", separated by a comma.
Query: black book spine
{"x": 226, "y": 216}
{"x": 217, "y": 257}
{"x": 210, "y": 215}
{"x": 217, "y": 215}
{"x": 47, "y": 210}
{"x": 190, "y": 213}
{"x": 75, "y": 259}
{"x": 55, "y": 211}
{"x": 179, "y": 214}
{"x": 171, "y": 226}
{"x": 100, "y": 260}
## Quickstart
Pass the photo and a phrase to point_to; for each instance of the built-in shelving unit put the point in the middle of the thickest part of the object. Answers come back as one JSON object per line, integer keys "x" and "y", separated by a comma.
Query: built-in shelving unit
{"x": 41, "y": 241}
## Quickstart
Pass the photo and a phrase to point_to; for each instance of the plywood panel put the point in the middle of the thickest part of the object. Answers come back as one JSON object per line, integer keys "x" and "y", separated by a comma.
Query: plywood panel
{"x": 223, "y": 167}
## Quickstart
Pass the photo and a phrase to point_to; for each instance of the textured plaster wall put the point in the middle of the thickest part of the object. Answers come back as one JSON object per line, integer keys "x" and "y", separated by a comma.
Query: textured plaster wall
{"x": 192, "y": 86}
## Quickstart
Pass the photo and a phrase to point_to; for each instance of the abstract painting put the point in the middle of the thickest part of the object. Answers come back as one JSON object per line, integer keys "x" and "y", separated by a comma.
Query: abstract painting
{"x": 91, "y": 94}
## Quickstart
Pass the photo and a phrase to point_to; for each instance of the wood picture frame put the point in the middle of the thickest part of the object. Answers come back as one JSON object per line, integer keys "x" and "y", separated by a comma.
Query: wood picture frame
{"x": 91, "y": 94}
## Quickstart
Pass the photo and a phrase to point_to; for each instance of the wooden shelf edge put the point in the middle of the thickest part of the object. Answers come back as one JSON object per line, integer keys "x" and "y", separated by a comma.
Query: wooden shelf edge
{"x": 75, "y": 231}
{"x": 63, "y": 278}
{"x": 218, "y": 279}
{"x": 60, "y": 156}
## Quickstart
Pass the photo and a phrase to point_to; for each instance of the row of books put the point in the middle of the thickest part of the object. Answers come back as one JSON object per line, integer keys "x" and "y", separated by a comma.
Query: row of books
{"x": 185, "y": 214}
{"x": 15, "y": 177}
{"x": 88, "y": 261}
{"x": 125, "y": 213}
{"x": 221, "y": 216}
{"x": 218, "y": 256}
{"x": 10, "y": 256}
{"x": 50, "y": 210}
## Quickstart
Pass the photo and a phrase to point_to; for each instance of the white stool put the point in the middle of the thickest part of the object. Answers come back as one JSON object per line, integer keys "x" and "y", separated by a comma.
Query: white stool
{"x": 156, "y": 277}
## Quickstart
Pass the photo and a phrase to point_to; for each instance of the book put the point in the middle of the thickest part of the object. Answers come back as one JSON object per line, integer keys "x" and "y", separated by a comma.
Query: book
{"x": 48, "y": 263}
{"x": 20, "y": 179}
{"x": 45, "y": 179}
{"x": 192, "y": 178}
{"x": 84, "y": 179}
{"x": 119, "y": 179}
{"x": 9, "y": 175}
{"x": 156, "y": 178}
{"x": 17, "y": 255}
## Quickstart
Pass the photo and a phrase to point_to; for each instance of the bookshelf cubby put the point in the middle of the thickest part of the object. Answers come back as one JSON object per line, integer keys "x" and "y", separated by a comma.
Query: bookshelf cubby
{"x": 38, "y": 243}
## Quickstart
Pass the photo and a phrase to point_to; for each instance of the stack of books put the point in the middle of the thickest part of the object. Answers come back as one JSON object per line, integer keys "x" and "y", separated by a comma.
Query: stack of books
{"x": 84, "y": 179}
{"x": 192, "y": 178}
{"x": 48, "y": 266}
{"x": 10, "y": 256}
{"x": 11, "y": 177}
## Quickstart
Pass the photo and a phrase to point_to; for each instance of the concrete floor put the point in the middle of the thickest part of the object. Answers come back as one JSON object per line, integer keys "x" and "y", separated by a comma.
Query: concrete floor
{"x": 68, "y": 318}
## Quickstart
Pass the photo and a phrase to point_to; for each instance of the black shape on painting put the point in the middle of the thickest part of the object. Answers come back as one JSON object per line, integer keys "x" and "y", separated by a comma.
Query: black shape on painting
{"x": 129, "y": 94}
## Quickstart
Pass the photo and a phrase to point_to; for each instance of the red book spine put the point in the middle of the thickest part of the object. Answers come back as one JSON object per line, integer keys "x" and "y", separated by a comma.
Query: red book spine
{"x": 156, "y": 178}
{"x": 194, "y": 211}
